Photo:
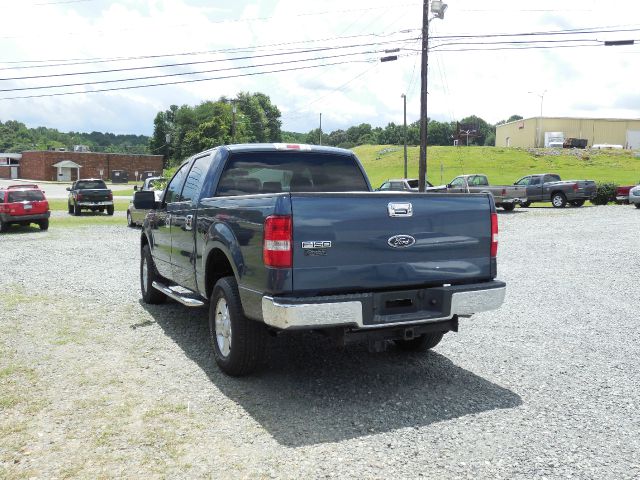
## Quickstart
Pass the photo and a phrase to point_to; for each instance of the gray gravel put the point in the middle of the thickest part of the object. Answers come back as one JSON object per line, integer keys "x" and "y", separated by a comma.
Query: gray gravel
{"x": 93, "y": 383}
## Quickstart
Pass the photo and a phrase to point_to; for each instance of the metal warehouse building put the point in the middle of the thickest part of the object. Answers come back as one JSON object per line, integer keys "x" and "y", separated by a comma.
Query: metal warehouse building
{"x": 530, "y": 132}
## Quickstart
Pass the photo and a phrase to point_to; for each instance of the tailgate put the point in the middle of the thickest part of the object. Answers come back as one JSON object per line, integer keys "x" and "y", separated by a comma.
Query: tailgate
{"x": 446, "y": 240}
{"x": 95, "y": 195}
{"x": 30, "y": 208}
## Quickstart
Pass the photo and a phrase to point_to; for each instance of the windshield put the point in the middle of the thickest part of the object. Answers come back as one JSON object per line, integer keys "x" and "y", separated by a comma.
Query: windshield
{"x": 25, "y": 196}
{"x": 274, "y": 172}
{"x": 90, "y": 184}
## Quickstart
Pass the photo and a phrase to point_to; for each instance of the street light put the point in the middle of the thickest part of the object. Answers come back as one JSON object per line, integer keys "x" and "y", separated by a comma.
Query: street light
{"x": 404, "y": 97}
{"x": 540, "y": 135}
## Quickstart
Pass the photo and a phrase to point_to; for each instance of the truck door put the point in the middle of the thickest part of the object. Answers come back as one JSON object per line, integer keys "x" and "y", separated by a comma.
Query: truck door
{"x": 160, "y": 223}
{"x": 534, "y": 190}
{"x": 457, "y": 185}
{"x": 183, "y": 222}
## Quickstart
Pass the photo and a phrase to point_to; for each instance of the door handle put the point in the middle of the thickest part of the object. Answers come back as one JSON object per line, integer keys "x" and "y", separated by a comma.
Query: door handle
{"x": 188, "y": 222}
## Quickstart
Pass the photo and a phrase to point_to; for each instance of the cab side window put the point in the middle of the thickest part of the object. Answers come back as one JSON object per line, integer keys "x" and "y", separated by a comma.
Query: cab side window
{"x": 535, "y": 181}
{"x": 457, "y": 182}
{"x": 175, "y": 185}
{"x": 524, "y": 181}
{"x": 193, "y": 184}
{"x": 385, "y": 186}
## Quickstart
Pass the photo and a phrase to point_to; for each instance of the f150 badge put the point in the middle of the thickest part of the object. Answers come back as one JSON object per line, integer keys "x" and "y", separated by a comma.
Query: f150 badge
{"x": 401, "y": 241}
{"x": 316, "y": 248}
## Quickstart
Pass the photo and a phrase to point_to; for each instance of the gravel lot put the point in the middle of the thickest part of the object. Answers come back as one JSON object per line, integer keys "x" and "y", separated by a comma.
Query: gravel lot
{"x": 95, "y": 384}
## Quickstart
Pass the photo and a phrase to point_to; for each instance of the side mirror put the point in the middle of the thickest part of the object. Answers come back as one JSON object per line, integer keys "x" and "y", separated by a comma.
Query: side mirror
{"x": 135, "y": 188}
{"x": 144, "y": 200}
{"x": 448, "y": 185}
{"x": 68, "y": 189}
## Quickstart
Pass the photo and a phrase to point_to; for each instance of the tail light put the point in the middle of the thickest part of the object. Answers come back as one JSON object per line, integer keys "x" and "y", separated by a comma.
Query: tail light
{"x": 80, "y": 196}
{"x": 575, "y": 187}
{"x": 504, "y": 191}
{"x": 276, "y": 247}
{"x": 494, "y": 234}
{"x": 110, "y": 196}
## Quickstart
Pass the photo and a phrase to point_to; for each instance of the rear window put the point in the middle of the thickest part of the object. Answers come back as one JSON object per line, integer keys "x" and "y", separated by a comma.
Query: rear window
{"x": 90, "y": 184}
{"x": 25, "y": 196}
{"x": 275, "y": 172}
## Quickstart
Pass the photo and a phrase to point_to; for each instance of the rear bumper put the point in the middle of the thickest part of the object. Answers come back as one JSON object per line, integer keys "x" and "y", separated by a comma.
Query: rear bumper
{"x": 386, "y": 309}
{"x": 511, "y": 201}
{"x": 94, "y": 204}
{"x": 24, "y": 218}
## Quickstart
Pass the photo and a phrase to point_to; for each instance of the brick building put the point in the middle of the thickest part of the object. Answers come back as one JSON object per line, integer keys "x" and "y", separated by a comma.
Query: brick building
{"x": 69, "y": 166}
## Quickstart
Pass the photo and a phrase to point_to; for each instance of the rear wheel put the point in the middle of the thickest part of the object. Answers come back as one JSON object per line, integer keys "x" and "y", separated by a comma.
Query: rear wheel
{"x": 577, "y": 203}
{"x": 508, "y": 207}
{"x": 76, "y": 209}
{"x": 558, "y": 200}
{"x": 70, "y": 208}
{"x": 129, "y": 220}
{"x": 239, "y": 344}
{"x": 420, "y": 344}
{"x": 110, "y": 210}
{"x": 148, "y": 275}
{"x": 637, "y": 205}
{"x": 3, "y": 226}
{"x": 44, "y": 224}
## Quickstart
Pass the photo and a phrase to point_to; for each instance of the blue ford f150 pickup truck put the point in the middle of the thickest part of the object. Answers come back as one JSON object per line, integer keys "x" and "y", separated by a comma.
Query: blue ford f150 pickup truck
{"x": 278, "y": 237}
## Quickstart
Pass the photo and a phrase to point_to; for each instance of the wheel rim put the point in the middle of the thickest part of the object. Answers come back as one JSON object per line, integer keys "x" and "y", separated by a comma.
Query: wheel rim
{"x": 557, "y": 200}
{"x": 128, "y": 218}
{"x": 223, "y": 327}
{"x": 145, "y": 275}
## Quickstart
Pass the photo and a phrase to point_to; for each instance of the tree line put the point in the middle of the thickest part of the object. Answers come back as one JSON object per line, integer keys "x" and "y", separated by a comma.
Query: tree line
{"x": 16, "y": 137}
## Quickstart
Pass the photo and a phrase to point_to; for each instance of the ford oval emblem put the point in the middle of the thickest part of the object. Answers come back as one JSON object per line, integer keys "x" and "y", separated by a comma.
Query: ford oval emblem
{"x": 401, "y": 241}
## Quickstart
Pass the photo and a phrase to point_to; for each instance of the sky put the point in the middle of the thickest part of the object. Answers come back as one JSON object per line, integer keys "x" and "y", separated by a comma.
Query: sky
{"x": 332, "y": 51}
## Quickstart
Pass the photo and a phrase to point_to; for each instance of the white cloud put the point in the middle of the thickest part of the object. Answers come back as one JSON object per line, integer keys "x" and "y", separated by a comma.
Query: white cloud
{"x": 595, "y": 81}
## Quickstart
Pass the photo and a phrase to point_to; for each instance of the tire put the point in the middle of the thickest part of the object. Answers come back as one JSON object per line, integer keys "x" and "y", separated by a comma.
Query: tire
{"x": 3, "y": 226}
{"x": 76, "y": 210}
{"x": 101, "y": 209}
{"x": 239, "y": 344}
{"x": 130, "y": 223}
{"x": 577, "y": 203}
{"x": 508, "y": 207}
{"x": 420, "y": 344}
{"x": 44, "y": 224}
{"x": 70, "y": 209}
{"x": 558, "y": 200}
{"x": 637, "y": 205}
{"x": 149, "y": 274}
{"x": 110, "y": 210}
{"x": 525, "y": 204}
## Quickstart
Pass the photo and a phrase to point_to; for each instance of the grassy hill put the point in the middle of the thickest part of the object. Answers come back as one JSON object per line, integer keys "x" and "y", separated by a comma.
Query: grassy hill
{"x": 501, "y": 165}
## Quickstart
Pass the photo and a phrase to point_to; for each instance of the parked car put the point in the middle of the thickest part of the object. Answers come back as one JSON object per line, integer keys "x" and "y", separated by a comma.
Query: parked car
{"x": 155, "y": 184}
{"x": 505, "y": 196}
{"x": 89, "y": 193}
{"x": 549, "y": 187}
{"x": 282, "y": 237}
{"x": 622, "y": 194}
{"x": 23, "y": 205}
{"x": 402, "y": 185}
{"x": 634, "y": 196}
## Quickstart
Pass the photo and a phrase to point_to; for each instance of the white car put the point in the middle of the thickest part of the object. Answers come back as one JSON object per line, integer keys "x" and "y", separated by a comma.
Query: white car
{"x": 634, "y": 196}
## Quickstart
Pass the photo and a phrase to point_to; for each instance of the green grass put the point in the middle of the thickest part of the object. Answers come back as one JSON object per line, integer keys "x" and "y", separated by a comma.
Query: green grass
{"x": 85, "y": 221}
{"x": 502, "y": 165}
{"x": 61, "y": 204}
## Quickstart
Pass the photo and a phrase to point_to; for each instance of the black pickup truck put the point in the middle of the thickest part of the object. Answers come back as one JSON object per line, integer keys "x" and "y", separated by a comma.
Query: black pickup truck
{"x": 90, "y": 193}
{"x": 277, "y": 237}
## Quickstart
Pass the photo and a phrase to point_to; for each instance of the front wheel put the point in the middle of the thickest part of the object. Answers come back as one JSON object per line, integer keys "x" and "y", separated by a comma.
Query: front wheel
{"x": 577, "y": 203}
{"x": 44, "y": 224}
{"x": 110, "y": 210}
{"x": 508, "y": 207}
{"x": 239, "y": 344}
{"x": 558, "y": 200}
{"x": 637, "y": 205}
{"x": 148, "y": 275}
{"x": 525, "y": 204}
{"x": 420, "y": 344}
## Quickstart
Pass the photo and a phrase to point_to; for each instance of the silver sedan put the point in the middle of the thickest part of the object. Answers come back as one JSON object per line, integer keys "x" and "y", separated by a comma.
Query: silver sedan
{"x": 634, "y": 196}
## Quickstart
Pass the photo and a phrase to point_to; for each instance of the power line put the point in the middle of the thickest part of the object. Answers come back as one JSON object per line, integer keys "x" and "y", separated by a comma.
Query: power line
{"x": 149, "y": 77}
{"x": 131, "y": 87}
{"x": 182, "y": 64}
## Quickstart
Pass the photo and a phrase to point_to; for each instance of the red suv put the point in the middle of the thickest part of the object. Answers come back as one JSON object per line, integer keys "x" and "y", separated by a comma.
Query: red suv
{"x": 23, "y": 204}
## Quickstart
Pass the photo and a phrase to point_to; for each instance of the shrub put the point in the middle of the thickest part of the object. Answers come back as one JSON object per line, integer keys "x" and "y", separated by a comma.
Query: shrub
{"x": 605, "y": 193}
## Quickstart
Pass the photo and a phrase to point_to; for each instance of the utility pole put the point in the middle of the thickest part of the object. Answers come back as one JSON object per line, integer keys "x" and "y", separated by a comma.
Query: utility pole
{"x": 320, "y": 129}
{"x": 422, "y": 161}
{"x": 404, "y": 97}
{"x": 233, "y": 122}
